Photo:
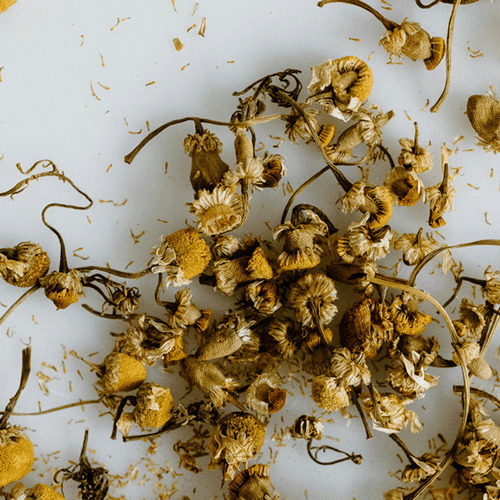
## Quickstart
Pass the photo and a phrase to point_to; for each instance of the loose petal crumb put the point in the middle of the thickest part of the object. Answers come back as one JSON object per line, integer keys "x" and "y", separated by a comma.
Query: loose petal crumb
{"x": 190, "y": 28}
{"x": 103, "y": 86}
{"x": 130, "y": 132}
{"x": 129, "y": 264}
{"x": 110, "y": 165}
{"x": 195, "y": 8}
{"x": 355, "y": 39}
{"x": 203, "y": 26}
{"x": 425, "y": 107}
{"x": 93, "y": 93}
{"x": 33, "y": 319}
{"x": 102, "y": 60}
{"x": 475, "y": 53}
{"x": 407, "y": 115}
{"x": 136, "y": 237}
{"x": 370, "y": 56}
{"x": 185, "y": 66}
{"x": 177, "y": 44}
{"x": 150, "y": 83}
{"x": 166, "y": 166}
{"x": 83, "y": 37}
{"x": 173, "y": 5}
{"x": 470, "y": 185}
{"x": 118, "y": 22}
{"x": 486, "y": 218}
{"x": 458, "y": 139}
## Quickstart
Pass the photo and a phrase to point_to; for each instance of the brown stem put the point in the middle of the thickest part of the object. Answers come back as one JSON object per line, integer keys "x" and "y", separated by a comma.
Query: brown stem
{"x": 115, "y": 272}
{"x": 127, "y": 399}
{"x": 361, "y": 413}
{"x": 409, "y": 455}
{"x": 18, "y": 302}
{"x": 57, "y": 408}
{"x": 313, "y": 451}
{"x": 480, "y": 393}
{"x": 449, "y": 38}
{"x": 388, "y": 25}
{"x": 25, "y": 373}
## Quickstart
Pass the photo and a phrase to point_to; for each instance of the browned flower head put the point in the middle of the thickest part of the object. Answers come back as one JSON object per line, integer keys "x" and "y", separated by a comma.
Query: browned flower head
{"x": 236, "y": 438}
{"x": 252, "y": 484}
{"x": 483, "y": 112}
{"x": 24, "y": 264}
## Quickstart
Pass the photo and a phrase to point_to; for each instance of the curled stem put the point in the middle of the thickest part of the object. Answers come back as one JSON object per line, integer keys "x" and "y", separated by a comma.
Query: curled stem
{"x": 313, "y": 451}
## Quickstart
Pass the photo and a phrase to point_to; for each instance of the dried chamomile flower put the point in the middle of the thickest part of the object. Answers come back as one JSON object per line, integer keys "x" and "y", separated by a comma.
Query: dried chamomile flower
{"x": 235, "y": 440}
{"x": 24, "y": 264}
{"x": 286, "y": 337}
{"x": 405, "y": 186}
{"x": 472, "y": 317}
{"x": 406, "y": 317}
{"x": 264, "y": 297}
{"x": 415, "y": 247}
{"x": 414, "y": 157}
{"x": 390, "y": 414}
{"x": 361, "y": 241}
{"x": 16, "y": 455}
{"x": 311, "y": 338}
{"x": 154, "y": 406}
{"x": 274, "y": 170}
{"x": 406, "y": 344}
{"x": 441, "y": 196}
{"x": 313, "y": 298}
{"x": 410, "y": 377}
{"x": 492, "y": 285}
{"x": 231, "y": 333}
{"x": 241, "y": 271}
{"x": 186, "y": 312}
{"x": 207, "y": 167}
{"x": 350, "y": 367}
{"x": 6, "y": 4}
{"x": 210, "y": 380}
{"x": 125, "y": 300}
{"x": 365, "y": 326}
{"x": 368, "y": 129}
{"x": 250, "y": 172}
{"x": 479, "y": 428}
{"x": 119, "y": 372}
{"x": 264, "y": 395}
{"x": 306, "y": 427}
{"x": 300, "y": 249}
{"x": 373, "y": 200}
{"x": 63, "y": 289}
{"x": 470, "y": 353}
{"x": 411, "y": 40}
{"x": 146, "y": 343}
{"x": 340, "y": 86}
{"x": 181, "y": 256}
{"x": 297, "y": 128}
{"x": 483, "y": 112}
{"x": 218, "y": 211}
{"x": 252, "y": 484}
{"x": 477, "y": 457}
{"x": 395, "y": 494}
{"x": 225, "y": 246}
{"x": 329, "y": 393}
{"x": 420, "y": 468}
{"x": 39, "y": 492}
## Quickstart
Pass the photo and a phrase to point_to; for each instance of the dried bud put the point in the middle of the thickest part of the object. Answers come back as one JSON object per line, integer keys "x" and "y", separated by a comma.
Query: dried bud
{"x": 274, "y": 170}
{"x": 207, "y": 167}
{"x": 340, "y": 86}
{"x": 16, "y": 455}
{"x": 24, "y": 264}
{"x": 306, "y": 427}
{"x": 236, "y": 438}
{"x": 483, "y": 112}
{"x": 63, "y": 289}
{"x": 181, "y": 256}
{"x": 252, "y": 484}
{"x": 154, "y": 406}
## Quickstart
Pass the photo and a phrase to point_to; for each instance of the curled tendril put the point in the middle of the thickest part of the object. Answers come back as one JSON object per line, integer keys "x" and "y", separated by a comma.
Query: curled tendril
{"x": 313, "y": 451}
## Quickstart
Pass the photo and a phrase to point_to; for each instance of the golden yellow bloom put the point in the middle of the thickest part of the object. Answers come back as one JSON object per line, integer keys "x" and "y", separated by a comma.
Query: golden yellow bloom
{"x": 16, "y": 455}
{"x": 341, "y": 85}
{"x": 181, "y": 256}
{"x": 236, "y": 438}
{"x": 405, "y": 186}
{"x": 5, "y": 4}
{"x": 63, "y": 289}
{"x": 24, "y": 264}
{"x": 406, "y": 317}
{"x": 329, "y": 393}
{"x": 154, "y": 406}
{"x": 39, "y": 492}
{"x": 122, "y": 373}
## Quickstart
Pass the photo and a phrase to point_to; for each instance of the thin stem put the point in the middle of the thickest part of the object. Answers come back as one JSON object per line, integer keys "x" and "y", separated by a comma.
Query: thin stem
{"x": 63, "y": 262}
{"x": 57, "y": 408}
{"x": 131, "y": 156}
{"x": 297, "y": 209}
{"x": 422, "y": 6}
{"x": 434, "y": 253}
{"x": 361, "y": 413}
{"x": 25, "y": 373}
{"x": 19, "y": 301}
{"x": 127, "y": 399}
{"x": 388, "y": 25}
{"x": 449, "y": 38}
{"x": 386, "y": 153}
{"x": 480, "y": 393}
{"x": 409, "y": 455}
{"x": 115, "y": 272}
{"x": 300, "y": 189}
{"x": 314, "y": 306}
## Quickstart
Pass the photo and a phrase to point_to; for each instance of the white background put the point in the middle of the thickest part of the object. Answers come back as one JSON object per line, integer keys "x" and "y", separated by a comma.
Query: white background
{"x": 53, "y": 52}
